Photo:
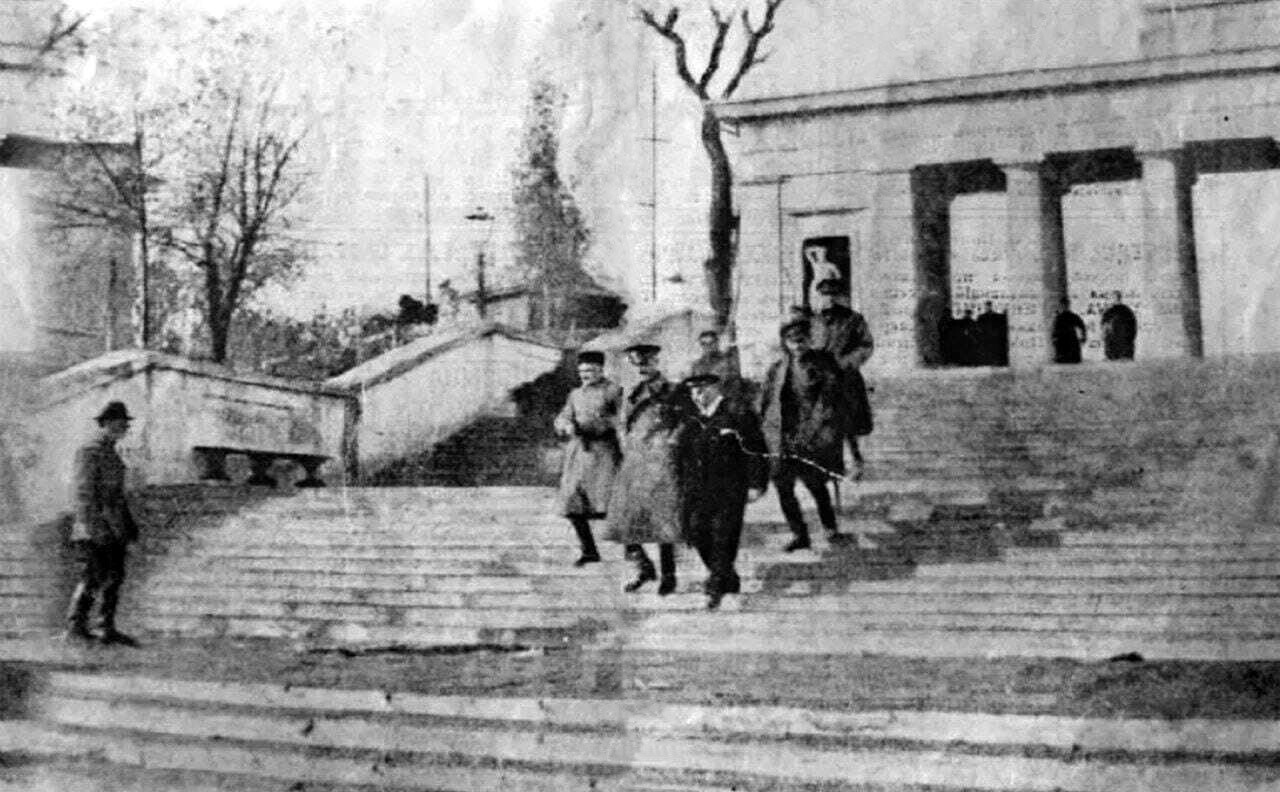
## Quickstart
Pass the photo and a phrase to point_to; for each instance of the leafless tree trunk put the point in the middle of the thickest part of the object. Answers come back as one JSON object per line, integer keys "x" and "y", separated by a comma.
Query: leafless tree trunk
{"x": 722, "y": 221}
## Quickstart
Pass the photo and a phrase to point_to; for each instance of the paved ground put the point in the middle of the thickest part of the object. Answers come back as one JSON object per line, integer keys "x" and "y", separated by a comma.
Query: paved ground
{"x": 1168, "y": 689}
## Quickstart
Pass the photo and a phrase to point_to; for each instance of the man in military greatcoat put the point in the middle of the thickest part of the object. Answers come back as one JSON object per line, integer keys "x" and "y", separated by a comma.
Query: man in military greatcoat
{"x": 723, "y": 465}
{"x": 592, "y": 454}
{"x": 804, "y": 407}
{"x": 102, "y": 530}
{"x": 844, "y": 333}
{"x": 645, "y": 504}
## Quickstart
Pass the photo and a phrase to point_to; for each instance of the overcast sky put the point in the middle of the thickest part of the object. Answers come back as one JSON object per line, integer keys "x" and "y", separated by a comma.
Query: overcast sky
{"x": 439, "y": 90}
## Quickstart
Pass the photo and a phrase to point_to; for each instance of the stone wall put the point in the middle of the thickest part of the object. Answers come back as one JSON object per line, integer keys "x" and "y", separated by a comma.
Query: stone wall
{"x": 178, "y": 404}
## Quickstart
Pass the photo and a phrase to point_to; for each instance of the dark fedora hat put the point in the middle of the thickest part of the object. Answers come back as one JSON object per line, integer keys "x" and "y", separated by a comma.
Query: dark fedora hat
{"x": 795, "y": 327}
{"x": 644, "y": 350}
{"x": 832, "y": 286}
{"x": 591, "y": 358}
{"x": 114, "y": 411}
{"x": 699, "y": 379}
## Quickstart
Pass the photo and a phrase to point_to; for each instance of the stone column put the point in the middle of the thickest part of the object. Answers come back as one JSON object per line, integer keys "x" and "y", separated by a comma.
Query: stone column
{"x": 759, "y": 294}
{"x": 1169, "y": 324}
{"x": 1035, "y": 261}
{"x": 892, "y": 281}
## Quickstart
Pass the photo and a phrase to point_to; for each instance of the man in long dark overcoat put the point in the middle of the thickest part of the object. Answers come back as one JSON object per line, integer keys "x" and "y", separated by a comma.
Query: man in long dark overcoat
{"x": 723, "y": 464}
{"x": 845, "y": 334}
{"x": 102, "y": 529}
{"x": 645, "y": 503}
{"x": 589, "y": 422}
{"x": 804, "y": 408}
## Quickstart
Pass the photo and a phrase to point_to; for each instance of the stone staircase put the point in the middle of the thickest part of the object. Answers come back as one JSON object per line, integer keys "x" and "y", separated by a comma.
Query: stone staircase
{"x": 1087, "y": 605}
{"x": 142, "y": 733}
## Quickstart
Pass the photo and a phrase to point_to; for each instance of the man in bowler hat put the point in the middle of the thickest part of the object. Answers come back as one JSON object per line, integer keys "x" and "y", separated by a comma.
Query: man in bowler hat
{"x": 723, "y": 465}
{"x": 102, "y": 529}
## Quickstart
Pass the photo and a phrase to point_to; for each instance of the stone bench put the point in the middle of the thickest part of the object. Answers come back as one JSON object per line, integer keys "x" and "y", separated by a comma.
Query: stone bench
{"x": 213, "y": 464}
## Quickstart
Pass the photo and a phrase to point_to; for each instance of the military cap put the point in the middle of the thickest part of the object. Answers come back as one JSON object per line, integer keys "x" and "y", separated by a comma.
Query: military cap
{"x": 795, "y": 327}
{"x": 591, "y": 358}
{"x": 644, "y": 350}
{"x": 114, "y": 411}
{"x": 699, "y": 379}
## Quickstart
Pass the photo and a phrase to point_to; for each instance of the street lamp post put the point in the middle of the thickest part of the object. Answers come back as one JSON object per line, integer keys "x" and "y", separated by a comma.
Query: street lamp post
{"x": 482, "y": 298}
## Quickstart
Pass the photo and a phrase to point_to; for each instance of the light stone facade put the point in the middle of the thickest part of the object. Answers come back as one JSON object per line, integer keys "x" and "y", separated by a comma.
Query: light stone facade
{"x": 885, "y": 167}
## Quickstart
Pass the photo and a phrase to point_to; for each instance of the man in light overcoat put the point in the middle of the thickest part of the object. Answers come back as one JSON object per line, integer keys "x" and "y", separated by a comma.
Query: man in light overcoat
{"x": 645, "y": 505}
{"x": 592, "y": 452}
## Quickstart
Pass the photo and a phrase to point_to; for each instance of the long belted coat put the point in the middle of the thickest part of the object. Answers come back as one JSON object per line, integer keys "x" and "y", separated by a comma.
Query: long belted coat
{"x": 592, "y": 455}
{"x": 645, "y": 506}
{"x": 102, "y": 514}
{"x": 816, "y": 429}
{"x": 845, "y": 333}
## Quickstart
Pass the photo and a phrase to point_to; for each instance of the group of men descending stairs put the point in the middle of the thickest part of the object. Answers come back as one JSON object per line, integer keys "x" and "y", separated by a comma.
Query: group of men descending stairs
{"x": 1073, "y": 586}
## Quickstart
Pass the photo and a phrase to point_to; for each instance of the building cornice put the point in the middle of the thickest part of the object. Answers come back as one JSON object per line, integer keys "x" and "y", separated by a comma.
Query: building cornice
{"x": 1008, "y": 85}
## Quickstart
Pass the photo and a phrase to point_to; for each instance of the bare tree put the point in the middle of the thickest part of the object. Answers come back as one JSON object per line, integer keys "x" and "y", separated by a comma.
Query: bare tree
{"x": 721, "y": 219}
{"x": 204, "y": 173}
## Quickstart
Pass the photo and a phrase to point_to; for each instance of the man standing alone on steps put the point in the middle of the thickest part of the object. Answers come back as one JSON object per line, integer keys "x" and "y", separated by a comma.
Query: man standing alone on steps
{"x": 722, "y": 467}
{"x": 591, "y": 456}
{"x": 102, "y": 529}
{"x": 804, "y": 409}
{"x": 645, "y": 505}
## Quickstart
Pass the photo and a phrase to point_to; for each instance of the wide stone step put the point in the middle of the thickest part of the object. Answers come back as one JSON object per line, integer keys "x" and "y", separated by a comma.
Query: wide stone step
{"x": 824, "y": 621}
{"x": 1047, "y": 567}
{"x": 873, "y": 602}
{"x": 264, "y": 732}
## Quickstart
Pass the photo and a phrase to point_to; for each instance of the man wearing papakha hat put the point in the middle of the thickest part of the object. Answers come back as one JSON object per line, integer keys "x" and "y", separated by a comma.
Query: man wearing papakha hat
{"x": 844, "y": 333}
{"x": 102, "y": 529}
{"x": 804, "y": 407}
{"x": 592, "y": 454}
{"x": 645, "y": 505}
{"x": 723, "y": 465}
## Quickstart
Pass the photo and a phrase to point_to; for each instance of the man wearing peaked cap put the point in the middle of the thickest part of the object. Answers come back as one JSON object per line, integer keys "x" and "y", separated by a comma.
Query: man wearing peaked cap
{"x": 723, "y": 465}
{"x": 102, "y": 529}
{"x": 645, "y": 504}
{"x": 588, "y": 422}
{"x": 843, "y": 332}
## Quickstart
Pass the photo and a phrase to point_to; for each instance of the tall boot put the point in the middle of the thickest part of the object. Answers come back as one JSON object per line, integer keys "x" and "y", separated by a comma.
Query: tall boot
{"x": 667, "y": 567}
{"x": 644, "y": 568}
{"x": 78, "y": 614}
{"x": 582, "y": 527}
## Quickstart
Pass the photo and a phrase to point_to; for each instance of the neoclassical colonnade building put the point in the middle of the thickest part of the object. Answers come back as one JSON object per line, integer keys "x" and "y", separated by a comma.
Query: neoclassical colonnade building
{"x": 1155, "y": 177}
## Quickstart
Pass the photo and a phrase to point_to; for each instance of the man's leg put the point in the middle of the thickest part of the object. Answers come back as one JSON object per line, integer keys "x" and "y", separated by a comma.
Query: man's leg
{"x": 667, "y": 568}
{"x": 644, "y": 568}
{"x": 726, "y": 535}
{"x": 816, "y": 483}
{"x": 784, "y": 481}
{"x": 113, "y": 578}
{"x": 82, "y": 597}
{"x": 582, "y": 527}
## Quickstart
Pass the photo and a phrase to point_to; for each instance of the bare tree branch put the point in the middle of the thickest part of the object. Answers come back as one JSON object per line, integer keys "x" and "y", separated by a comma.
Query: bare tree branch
{"x": 59, "y": 32}
{"x": 667, "y": 29}
{"x": 723, "y": 24}
{"x": 754, "y": 37}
